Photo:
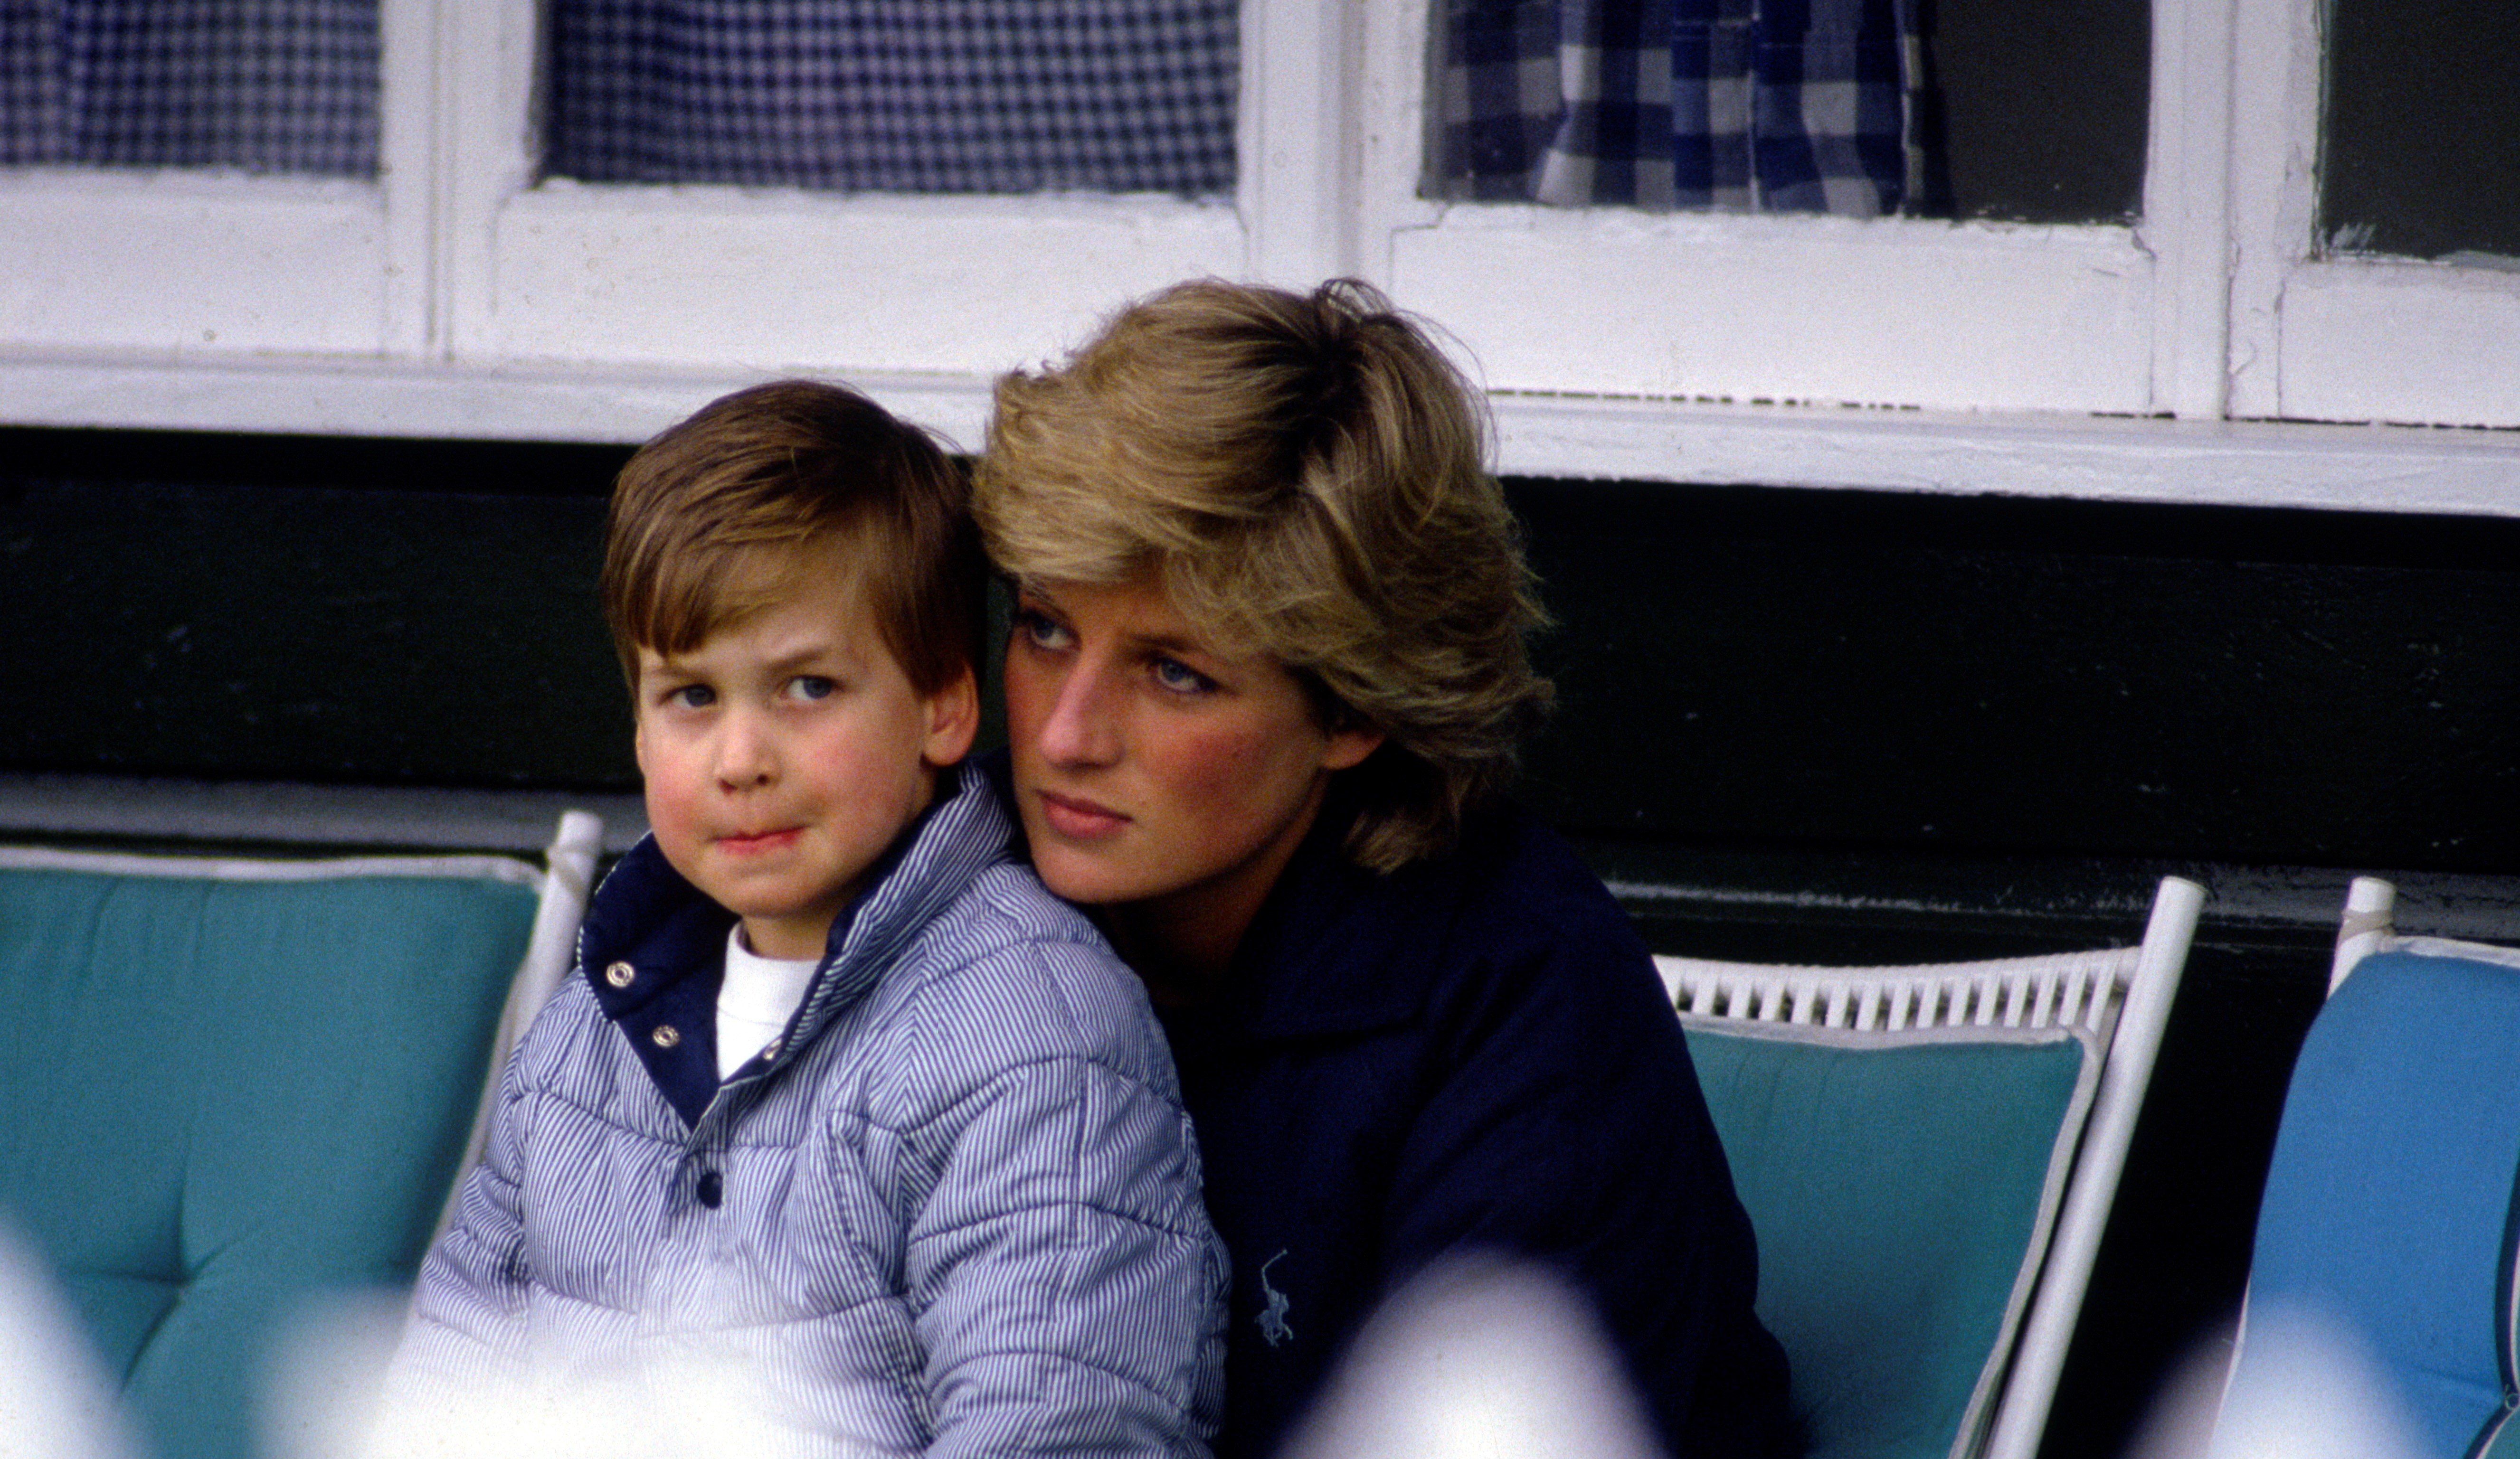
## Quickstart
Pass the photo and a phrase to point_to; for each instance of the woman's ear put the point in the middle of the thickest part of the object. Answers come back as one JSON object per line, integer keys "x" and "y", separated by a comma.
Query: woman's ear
{"x": 953, "y": 718}
{"x": 1348, "y": 746}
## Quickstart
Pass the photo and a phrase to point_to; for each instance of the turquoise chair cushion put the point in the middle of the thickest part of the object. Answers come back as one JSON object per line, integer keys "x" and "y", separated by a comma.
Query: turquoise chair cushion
{"x": 2388, "y": 1206}
{"x": 225, "y": 1096}
{"x": 1903, "y": 1186}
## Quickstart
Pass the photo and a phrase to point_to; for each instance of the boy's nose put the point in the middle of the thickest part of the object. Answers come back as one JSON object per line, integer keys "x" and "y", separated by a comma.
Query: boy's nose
{"x": 744, "y": 755}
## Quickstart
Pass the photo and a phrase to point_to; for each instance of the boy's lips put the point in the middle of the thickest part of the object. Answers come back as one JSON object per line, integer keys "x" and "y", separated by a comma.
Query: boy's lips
{"x": 748, "y": 843}
{"x": 1078, "y": 818}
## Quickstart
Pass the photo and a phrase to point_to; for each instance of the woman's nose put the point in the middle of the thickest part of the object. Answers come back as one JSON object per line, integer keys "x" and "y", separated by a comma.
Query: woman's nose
{"x": 1080, "y": 729}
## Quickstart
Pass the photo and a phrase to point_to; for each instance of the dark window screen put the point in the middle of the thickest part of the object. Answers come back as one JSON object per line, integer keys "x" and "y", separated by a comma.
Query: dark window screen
{"x": 2422, "y": 157}
{"x": 2034, "y": 110}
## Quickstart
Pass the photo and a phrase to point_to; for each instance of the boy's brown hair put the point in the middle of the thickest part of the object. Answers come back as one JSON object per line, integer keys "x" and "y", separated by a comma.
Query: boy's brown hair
{"x": 724, "y": 514}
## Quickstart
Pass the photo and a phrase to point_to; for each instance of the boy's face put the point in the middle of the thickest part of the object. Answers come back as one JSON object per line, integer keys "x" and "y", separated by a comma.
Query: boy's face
{"x": 785, "y": 753}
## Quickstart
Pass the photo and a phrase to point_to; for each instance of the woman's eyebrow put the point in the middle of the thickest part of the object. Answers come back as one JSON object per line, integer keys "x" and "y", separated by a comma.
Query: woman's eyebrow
{"x": 1172, "y": 643}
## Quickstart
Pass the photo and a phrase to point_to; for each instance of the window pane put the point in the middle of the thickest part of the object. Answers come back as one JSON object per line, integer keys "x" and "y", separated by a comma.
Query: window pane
{"x": 2034, "y": 110}
{"x": 2030, "y": 110}
{"x": 1784, "y": 106}
{"x": 2422, "y": 151}
{"x": 925, "y": 96}
{"x": 269, "y": 85}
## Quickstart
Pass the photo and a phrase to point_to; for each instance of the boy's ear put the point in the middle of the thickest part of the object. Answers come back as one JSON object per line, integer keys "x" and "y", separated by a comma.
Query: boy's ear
{"x": 953, "y": 718}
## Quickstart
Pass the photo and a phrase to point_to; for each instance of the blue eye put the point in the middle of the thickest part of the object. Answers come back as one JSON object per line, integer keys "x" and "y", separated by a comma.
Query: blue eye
{"x": 1180, "y": 678}
{"x": 1042, "y": 630}
{"x": 693, "y": 696}
{"x": 812, "y": 686}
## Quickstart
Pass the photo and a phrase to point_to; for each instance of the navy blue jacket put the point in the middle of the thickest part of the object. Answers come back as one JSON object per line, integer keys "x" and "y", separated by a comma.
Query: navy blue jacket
{"x": 1473, "y": 1053}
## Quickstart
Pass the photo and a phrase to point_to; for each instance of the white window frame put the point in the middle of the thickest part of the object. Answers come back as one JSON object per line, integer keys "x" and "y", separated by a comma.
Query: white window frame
{"x": 454, "y": 297}
{"x": 184, "y": 266}
{"x": 1782, "y": 308}
{"x": 2345, "y": 339}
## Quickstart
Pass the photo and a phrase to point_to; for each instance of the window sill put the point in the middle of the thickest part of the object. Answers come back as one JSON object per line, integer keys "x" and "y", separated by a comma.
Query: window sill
{"x": 2264, "y": 463}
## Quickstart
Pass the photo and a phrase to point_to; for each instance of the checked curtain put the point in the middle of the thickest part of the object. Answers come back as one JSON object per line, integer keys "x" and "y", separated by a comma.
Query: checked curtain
{"x": 1773, "y": 105}
{"x": 925, "y": 96}
{"x": 267, "y": 85}
{"x": 1784, "y": 105}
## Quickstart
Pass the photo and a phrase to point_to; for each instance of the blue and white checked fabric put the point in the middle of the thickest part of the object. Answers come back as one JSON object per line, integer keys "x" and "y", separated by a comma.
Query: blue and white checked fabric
{"x": 955, "y": 1209}
{"x": 267, "y": 85}
{"x": 925, "y": 95}
{"x": 1782, "y": 106}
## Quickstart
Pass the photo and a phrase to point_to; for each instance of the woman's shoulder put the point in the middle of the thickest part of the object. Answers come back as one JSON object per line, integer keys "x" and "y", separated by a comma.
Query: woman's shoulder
{"x": 1511, "y": 881}
{"x": 1508, "y": 908}
{"x": 1505, "y": 843}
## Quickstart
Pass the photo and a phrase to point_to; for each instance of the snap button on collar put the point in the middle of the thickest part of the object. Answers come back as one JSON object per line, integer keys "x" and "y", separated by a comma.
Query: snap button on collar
{"x": 666, "y": 1035}
{"x": 620, "y": 974}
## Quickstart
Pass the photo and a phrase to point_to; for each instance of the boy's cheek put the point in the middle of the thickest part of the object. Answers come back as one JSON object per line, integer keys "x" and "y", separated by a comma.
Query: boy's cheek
{"x": 675, "y": 824}
{"x": 671, "y": 806}
{"x": 639, "y": 744}
{"x": 668, "y": 793}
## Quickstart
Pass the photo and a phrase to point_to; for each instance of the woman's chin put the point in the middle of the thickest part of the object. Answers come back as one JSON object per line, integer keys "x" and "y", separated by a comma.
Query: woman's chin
{"x": 1082, "y": 877}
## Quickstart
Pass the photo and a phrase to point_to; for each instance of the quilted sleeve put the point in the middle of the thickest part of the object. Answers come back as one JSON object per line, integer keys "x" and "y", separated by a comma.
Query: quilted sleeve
{"x": 1063, "y": 1278}
{"x": 466, "y": 1332}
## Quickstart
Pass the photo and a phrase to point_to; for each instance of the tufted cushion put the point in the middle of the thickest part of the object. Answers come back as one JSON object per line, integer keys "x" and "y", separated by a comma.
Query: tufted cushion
{"x": 1903, "y": 1186}
{"x": 220, "y": 1097}
{"x": 2388, "y": 1203}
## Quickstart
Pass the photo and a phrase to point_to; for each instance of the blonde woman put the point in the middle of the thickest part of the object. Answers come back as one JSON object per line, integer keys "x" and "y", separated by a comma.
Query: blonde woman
{"x": 1264, "y": 689}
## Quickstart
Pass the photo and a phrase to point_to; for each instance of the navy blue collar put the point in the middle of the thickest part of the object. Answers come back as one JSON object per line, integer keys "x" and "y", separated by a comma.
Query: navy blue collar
{"x": 654, "y": 952}
{"x": 1334, "y": 949}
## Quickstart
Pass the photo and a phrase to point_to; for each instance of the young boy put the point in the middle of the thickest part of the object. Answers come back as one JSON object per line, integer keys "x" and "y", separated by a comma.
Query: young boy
{"x": 839, "y": 1100}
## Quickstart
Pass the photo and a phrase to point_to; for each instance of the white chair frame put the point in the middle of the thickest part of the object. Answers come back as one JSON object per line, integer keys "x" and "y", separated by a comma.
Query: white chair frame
{"x": 551, "y": 953}
{"x": 2121, "y": 995}
{"x": 2368, "y": 926}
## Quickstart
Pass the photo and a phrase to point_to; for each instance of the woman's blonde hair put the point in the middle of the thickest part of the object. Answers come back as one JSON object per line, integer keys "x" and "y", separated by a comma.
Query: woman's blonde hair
{"x": 1303, "y": 473}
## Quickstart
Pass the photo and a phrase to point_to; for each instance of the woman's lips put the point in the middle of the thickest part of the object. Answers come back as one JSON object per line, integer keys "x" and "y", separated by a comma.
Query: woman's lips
{"x": 1079, "y": 819}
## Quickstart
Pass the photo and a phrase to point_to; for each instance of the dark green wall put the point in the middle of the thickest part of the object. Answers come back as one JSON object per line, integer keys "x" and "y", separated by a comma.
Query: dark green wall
{"x": 233, "y": 607}
{"x": 1983, "y": 674}
{"x": 1826, "y": 726}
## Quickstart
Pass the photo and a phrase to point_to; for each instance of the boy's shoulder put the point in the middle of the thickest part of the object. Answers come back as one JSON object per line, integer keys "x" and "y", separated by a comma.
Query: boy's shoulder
{"x": 993, "y": 912}
{"x": 1003, "y": 924}
{"x": 1009, "y": 899}
{"x": 1020, "y": 974}
{"x": 975, "y": 901}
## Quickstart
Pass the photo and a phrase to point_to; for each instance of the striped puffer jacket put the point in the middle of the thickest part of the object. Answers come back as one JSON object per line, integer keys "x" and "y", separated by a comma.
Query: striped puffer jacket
{"x": 953, "y": 1209}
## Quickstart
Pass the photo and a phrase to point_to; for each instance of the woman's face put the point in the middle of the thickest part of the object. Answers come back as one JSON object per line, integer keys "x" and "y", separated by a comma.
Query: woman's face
{"x": 1157, "y": 772}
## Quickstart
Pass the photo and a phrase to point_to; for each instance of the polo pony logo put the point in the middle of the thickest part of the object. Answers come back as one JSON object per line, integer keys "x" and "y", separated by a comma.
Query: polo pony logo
{"x": 1272, "y": 1317}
